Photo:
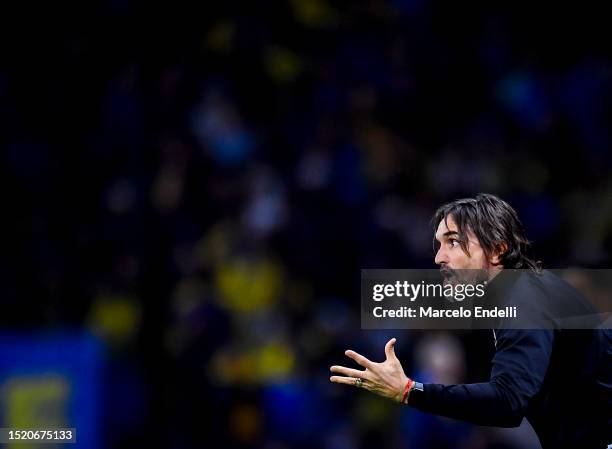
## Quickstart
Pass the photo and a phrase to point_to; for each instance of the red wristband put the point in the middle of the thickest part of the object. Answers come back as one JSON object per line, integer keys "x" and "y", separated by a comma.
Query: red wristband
{"x": 409, "y": 385}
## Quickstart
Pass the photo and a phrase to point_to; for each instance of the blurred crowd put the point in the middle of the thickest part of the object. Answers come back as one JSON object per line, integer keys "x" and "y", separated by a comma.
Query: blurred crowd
{"x": 199, "y": 187}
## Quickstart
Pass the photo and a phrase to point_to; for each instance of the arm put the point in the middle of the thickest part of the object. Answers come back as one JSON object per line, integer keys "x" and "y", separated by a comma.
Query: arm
{"x": 519, "y": 367}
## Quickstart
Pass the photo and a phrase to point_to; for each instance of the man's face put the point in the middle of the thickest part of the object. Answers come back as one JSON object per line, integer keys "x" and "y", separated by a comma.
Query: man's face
{"x": 451, "y": 257}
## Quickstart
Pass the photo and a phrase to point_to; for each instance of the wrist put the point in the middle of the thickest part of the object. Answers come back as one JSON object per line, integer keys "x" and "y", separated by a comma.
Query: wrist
{"x": 415, "y": 394}
{"x": 408, "y": 386}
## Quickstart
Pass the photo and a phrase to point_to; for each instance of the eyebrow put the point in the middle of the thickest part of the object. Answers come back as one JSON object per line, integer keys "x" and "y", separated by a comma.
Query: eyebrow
{"x": 447, "y": 234}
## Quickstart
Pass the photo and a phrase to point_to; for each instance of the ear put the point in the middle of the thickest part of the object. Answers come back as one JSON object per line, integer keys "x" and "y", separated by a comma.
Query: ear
{"x": 500, "y": 250}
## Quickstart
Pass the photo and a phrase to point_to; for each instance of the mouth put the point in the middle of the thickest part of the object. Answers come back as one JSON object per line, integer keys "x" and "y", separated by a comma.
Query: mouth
{"x": 447, "y": 273}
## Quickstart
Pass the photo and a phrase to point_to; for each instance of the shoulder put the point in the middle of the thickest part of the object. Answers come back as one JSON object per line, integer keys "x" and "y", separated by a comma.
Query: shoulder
{"x": 552, "y": 297}
{"x": 545, "y": 284}
{"x": 529, "y": 285}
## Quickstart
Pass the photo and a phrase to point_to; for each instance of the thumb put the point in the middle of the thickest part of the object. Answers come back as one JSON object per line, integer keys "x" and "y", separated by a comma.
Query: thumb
{"x": 390, "y": 350}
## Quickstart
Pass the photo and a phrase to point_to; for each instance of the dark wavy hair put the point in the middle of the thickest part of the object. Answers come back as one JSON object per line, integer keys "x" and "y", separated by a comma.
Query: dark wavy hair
{"x": 496, "y": 226}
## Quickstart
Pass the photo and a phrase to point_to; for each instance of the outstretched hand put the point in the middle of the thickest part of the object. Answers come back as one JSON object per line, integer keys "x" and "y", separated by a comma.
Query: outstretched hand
{"x": 386, "y": 379}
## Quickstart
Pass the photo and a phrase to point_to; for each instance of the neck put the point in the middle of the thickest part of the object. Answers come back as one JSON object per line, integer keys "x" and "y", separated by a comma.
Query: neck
{"x": 494, "y": 270}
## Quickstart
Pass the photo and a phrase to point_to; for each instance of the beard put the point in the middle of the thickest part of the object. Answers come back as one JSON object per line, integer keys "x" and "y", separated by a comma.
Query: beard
{"x": 463, "y": 276}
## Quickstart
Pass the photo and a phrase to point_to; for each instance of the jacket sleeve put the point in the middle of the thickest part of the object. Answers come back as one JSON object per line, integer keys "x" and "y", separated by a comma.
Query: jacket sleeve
{"x": 519, "y": 368}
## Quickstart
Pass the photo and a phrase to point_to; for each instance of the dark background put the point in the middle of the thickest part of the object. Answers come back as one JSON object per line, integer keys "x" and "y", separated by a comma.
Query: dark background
{"x": 198, "y": 186}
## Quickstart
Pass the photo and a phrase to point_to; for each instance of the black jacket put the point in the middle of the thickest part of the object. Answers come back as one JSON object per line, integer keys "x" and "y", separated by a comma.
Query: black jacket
{"x": 559, "y": 379}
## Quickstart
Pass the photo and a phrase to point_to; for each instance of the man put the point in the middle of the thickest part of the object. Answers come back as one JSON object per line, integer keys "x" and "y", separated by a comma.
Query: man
{"x": 559, "y": 379}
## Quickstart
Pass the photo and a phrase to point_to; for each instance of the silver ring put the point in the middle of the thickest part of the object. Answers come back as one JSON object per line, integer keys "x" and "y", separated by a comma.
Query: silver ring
{"x": 358, "y": 382}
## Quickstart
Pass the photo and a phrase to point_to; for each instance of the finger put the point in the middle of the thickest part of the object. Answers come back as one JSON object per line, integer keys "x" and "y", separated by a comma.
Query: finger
{"x": 363, "y": 361}
{"x": 390, "y": 349}
{"x": 344, "y": 380}
{"x": 349, "y": 372}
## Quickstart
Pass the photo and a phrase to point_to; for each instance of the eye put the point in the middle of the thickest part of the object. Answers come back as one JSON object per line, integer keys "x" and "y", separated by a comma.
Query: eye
{"x": 454, "y": 243}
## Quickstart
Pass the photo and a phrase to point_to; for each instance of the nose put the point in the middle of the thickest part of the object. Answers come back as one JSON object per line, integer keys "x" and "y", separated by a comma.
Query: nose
{"x": 441, "y": 256}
